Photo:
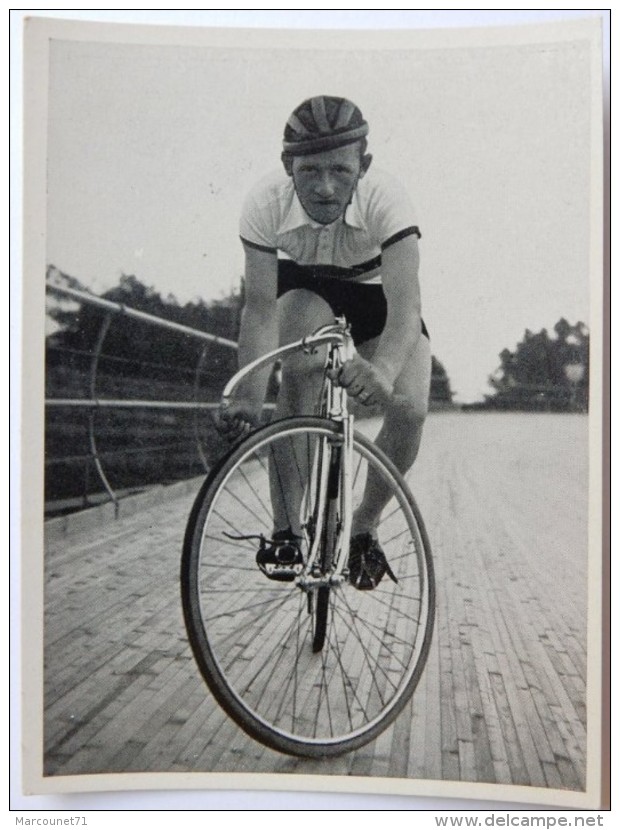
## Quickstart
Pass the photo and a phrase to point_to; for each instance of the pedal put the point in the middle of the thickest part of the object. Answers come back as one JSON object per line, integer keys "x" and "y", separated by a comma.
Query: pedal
{"x": 281, "y": 561}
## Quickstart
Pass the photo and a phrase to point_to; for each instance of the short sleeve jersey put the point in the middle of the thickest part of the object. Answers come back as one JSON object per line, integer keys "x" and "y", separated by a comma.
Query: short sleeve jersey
{"x": 378, "y": 215}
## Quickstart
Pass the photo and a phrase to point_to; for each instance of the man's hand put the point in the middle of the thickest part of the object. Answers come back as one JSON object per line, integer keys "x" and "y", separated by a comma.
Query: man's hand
{"x": 364, "y": 382}
{"x": 237, "y": 419}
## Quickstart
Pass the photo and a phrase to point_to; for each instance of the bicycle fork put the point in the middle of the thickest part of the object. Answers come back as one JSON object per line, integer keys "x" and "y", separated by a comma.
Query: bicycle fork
{"x": 330, "y": 522}
{"x": 329, "y": 526}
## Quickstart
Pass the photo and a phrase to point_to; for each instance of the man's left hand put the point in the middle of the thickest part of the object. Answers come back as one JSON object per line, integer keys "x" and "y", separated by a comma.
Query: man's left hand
{"x": 364, "y": 382}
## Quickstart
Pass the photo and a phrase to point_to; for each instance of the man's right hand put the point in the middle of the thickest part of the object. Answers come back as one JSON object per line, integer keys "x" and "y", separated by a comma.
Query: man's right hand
{"x": 237, "y": 419}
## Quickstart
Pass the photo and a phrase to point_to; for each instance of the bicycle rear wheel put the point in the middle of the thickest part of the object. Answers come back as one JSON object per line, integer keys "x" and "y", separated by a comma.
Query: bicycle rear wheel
{"x": 255, "y": 639}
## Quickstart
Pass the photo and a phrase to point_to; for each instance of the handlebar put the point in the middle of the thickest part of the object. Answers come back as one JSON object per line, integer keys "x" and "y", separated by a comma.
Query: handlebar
{"x": 333, "y": 334}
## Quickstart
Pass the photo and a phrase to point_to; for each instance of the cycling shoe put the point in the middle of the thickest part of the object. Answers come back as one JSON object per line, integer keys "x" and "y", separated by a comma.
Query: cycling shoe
{"x": 367, "y": 563}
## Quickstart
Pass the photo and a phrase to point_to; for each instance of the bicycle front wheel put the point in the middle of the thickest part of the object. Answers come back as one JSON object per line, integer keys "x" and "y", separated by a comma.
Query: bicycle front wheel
{"x": 254, "y": 638}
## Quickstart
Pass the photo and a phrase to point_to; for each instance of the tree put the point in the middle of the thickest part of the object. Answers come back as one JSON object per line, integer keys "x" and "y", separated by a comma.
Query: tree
{"x": 544, "y": 373}
{"x": 441, "y": 392}
{"x": 134, "y": 349}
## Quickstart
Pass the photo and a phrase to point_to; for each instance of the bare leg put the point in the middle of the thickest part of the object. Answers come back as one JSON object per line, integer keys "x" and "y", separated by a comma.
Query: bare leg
{"x": 300, "y": 312}
{"x": 401, "y": 433}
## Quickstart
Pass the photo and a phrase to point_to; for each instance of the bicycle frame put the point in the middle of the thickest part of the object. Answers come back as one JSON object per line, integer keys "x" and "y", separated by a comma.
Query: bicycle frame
{"x": 335, "y": 334}
{"x": 334, "y": 406}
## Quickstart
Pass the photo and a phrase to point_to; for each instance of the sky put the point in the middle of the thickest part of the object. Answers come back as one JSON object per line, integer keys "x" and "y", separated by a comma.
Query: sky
{"x": 151, "y": 149}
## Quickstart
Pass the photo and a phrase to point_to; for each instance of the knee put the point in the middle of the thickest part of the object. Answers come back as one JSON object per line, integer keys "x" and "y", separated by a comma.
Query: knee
{"x": 407, "y": 414}
{"x": 302, "y": 366}
{"x": 301, "y": 370}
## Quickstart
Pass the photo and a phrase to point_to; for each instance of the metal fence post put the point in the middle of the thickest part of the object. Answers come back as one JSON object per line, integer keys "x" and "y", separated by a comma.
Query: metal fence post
{"x": 200, "y": 448}
{"x": 94, "y": 403}
{"x": 92, "y": 412}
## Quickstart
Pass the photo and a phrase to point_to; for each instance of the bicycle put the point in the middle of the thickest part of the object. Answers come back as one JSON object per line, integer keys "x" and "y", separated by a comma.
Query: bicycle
{"x": 301, "y": 659}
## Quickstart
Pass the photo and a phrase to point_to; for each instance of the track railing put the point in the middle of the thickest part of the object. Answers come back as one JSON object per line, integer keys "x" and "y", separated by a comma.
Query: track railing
{"x": 96, "y": 402}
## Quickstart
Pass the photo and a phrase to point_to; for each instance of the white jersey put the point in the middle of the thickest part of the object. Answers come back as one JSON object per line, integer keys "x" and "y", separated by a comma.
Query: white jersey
{"x": 378, "y": 215}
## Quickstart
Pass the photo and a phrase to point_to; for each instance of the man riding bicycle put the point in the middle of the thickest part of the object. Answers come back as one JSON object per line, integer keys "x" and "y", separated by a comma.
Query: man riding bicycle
{"x": 330, "y": 235}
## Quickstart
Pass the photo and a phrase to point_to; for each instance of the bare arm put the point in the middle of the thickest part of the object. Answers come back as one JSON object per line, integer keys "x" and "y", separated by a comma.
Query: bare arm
{"x": 257, "y": 336}
{"x": 373, "y": 381}
{"x": 399, "y": 270}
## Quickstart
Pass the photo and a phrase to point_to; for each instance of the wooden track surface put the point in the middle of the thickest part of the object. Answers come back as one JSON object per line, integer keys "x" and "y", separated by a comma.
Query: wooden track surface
{"x": 502, "y": 699}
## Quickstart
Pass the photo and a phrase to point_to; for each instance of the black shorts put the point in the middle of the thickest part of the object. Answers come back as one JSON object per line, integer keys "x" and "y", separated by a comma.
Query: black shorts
{"x": 364, "y": 305}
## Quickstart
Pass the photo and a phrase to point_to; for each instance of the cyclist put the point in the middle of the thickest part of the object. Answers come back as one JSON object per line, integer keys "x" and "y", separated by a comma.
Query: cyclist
{"x": 330, "y": 234}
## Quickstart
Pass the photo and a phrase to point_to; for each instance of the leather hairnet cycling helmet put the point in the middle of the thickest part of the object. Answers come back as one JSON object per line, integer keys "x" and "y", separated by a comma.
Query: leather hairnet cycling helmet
{"x": 323, "y": 123}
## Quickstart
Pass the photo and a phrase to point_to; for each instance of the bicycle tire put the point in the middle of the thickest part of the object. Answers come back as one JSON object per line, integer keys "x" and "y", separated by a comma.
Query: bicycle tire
{"x": 243, "y": 627}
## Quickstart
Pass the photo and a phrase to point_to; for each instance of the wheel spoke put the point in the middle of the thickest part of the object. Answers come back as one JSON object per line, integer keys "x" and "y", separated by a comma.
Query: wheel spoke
{"x": 304, "y": 677}
{"x": 365, "y": 655}
{"x": 268, "y": 661}
{"x": 246, "y": 507}
{"x": 242, "y": 609}
{"x": 380, "y": 639}
{"x": 257, "y": 494}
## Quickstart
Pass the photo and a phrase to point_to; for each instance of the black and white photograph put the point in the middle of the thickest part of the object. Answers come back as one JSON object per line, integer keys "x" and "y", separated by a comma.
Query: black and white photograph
{"x": 312, "y": 393}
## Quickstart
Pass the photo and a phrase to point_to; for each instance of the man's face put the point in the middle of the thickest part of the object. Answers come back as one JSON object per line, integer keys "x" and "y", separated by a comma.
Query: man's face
{"x": 325, "y": 181}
